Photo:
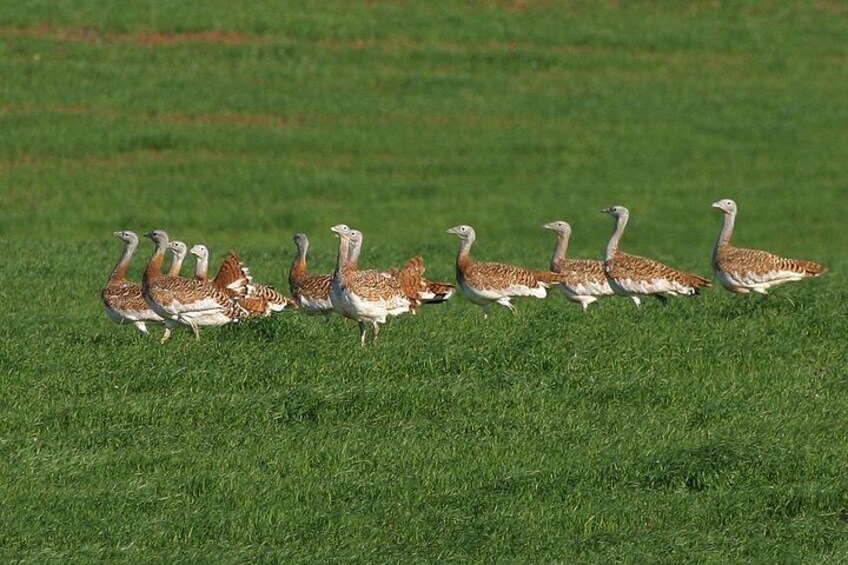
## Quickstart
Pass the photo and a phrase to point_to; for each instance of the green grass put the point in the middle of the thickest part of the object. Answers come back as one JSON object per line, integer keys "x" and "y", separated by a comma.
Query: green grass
{"x": 711, "y": 431}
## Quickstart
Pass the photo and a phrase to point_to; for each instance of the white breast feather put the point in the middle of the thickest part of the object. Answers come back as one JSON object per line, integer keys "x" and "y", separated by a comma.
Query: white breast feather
{"x": 315, "y": 306}
{"x": 587, "y": 289}
{"x": 770, "y": 278}
{"x": 482, "y": 296}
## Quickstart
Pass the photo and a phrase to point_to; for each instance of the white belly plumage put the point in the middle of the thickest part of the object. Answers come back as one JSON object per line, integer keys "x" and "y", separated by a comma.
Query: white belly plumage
{"x": 481, "y": 296}
{"x": 205, "y": 312}
{"x": 757, "y": 282}
{"x": 129, "y": 316}
{"x": 349, "y": 304}
{"x": 630, "y": 287}
{"x": 313, "y": 306}
{"x": 572, "y": 291}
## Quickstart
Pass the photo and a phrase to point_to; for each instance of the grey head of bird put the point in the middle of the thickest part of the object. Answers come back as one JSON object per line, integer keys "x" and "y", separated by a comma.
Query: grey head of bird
{"x": 559, "y": 226}
{"x": 617, "y": 211}
{"x": 159, "y": 237}
{"x": 126, "y": 236}
{"x": 200, "y": 251}
{"x": 726, "y": 205}
{"x": 300, "y": 240}
{"x": 463, "y": 232}
{"x": 178, "y": 248}
{"x": 341, "y": 230}
{"x": 356, "y": 237}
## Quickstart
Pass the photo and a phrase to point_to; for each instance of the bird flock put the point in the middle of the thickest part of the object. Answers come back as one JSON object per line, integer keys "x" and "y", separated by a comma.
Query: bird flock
{"x": 371, "y": 296}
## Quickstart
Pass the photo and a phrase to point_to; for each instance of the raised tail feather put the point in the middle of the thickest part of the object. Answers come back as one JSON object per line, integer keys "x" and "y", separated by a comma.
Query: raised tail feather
{"x": 233, "y": 277}
{"x": 411, "y": 278}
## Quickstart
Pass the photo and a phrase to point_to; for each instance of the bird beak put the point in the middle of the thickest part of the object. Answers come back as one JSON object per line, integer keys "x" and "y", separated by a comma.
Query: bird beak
{"x": 116, "y": 233}
{"x": 606, "y": 211}
{"x": 339, "y": 229}
{"x": 549, "y": 226}
{"x": 452, "y": 230}
{"x": 149, "y": 235}
{"x": 716, "y": 204}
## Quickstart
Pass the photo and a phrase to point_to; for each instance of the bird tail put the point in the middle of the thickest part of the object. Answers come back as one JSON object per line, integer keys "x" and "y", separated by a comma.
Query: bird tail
{"x": 233, "y": 277}
{"x": 697, "y": 281}
{"x": 435, "y": 292}
{"x": 811, "y": 268}
{"x": 276, "y": 302}
{"x": 548, "y": 278}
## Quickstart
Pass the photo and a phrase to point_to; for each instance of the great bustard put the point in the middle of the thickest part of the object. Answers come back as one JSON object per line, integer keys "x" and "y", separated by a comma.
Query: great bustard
{"x": 310, "y": 291}
{"x": 484, "y": 282}
{"x": 121, "y": 298}
{"x": 258, "y": 300}
{"x": 635, "y": 276}
{"x": 751, "y": 270}
{"x": 583, "y": 280}
{"x": 369, "y": 296}
{"x": 187, "y": 301}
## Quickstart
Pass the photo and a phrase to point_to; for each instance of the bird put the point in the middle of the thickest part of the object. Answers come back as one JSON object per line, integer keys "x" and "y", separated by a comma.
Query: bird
{"x": 233, "y": 278}
{"x": 186, "y": 301}
{"x": 257, "y": 299}
{"x": 583, "y": 280}
{"x": 424, "y": 291}
{"x": 484, "y": 282}
{"x": 310, "y": 291}
{"x": 369, "y": 296}
{"x": 121, "y": 298}
{"x": 635, "y": 276}
{"x": 752, "y": 270}
{"x": 179, "y": 250}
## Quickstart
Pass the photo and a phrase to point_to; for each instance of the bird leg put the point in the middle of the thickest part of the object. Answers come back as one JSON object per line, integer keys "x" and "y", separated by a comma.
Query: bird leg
{"x": 636, "y": 301}
{"x": 376, "y": 331}
{"x": 142, "y": 327}
{"x": 663, "y": 300}
{"x": 485, "y": 310}
{"x": 196, "y": 331}
{"x": 362, "y": 333}
{"x": 167, "y": 333}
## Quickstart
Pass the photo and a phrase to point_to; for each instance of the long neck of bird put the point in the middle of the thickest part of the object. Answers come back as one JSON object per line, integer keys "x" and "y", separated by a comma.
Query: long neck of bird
{"x": 353, "y": 256}
{"x": 341, "y": 259}
{"x": 463, "y": 253}
{"x": 726, "y": 229}
{"x": 154, "y": 266}
{"x": 176, "y": 264}
{"x": 299, "y": 264}
{"x": 725, "y": 234}
{"x": 119, "y": 273}
{"x": 560, "y": 249}
{"x": 612, "y": 246}
{"x": 201, "y": 269}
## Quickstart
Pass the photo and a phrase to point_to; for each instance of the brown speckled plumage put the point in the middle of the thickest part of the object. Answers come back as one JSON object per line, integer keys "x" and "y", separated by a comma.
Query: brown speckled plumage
{"x": 582, "y": 280}
{"x": 235, "y": 280}
{"x": 370, "y": 296}
{"x": 191, "y": 302}
{"x": 635, "y": 276}
{"x": 752, "y": 270}
{"x": 485, "y": 282}
{"x": 122, "y": 299}
{"x": 311, "y": 292}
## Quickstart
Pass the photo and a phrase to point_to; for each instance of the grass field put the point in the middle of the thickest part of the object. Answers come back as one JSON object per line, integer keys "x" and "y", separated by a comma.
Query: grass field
{"x": 712, "y": 431}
